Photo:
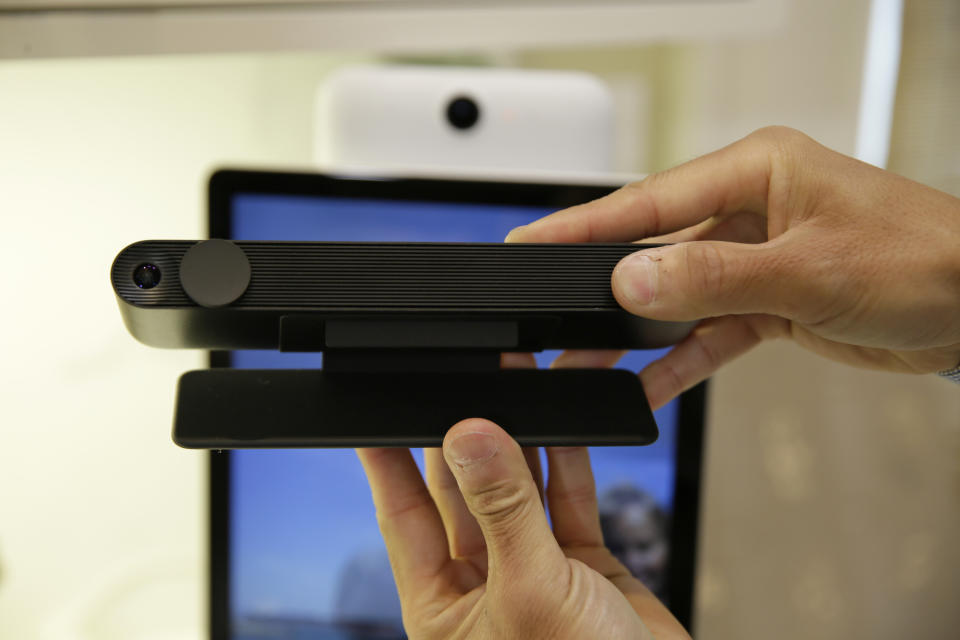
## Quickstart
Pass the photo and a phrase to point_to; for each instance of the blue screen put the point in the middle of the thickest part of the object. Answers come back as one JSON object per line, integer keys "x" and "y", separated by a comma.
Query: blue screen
{"x": 306, "y": 556}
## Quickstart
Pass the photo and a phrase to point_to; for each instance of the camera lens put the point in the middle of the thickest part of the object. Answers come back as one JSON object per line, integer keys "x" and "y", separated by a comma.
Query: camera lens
{"x": 463, "y": 112}
{"x": 146, "y": 276}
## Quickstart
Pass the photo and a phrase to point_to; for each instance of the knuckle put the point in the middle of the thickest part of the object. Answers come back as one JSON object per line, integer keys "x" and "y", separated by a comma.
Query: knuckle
{"x": 404, "y": 504}
{"x": 581, "y": 494}
{"x": 675, "y": 381}
{"x": 779, "y": 136}
{"x": 706, "y": 269}
{"x": 782, "y": 146}
{"x": 668, "y": 376}
{"x": 503, "y": 501}
{"x": 640, "y": 195}
{"x": 708, "y": 353}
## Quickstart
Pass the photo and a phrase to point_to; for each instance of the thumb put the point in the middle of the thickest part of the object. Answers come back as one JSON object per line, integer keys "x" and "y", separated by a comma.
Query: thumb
{"x": 500, "y": 492}
{"x": 704, "y": 279}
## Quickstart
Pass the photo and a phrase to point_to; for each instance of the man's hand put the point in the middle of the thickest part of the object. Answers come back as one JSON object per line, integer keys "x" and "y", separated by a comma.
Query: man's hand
{"x": 474, "y": 556}
{"x": 781, "y": 237}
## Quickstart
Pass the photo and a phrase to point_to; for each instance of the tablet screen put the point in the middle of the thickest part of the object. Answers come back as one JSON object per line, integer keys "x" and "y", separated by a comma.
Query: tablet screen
{"x": 306, "y": 559}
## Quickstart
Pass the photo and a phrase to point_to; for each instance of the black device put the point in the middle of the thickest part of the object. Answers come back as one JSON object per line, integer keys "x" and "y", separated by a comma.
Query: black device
{"x": 412, "y": 333}
{"x": 320, "y": 296}
{"x": 294, "y": 542}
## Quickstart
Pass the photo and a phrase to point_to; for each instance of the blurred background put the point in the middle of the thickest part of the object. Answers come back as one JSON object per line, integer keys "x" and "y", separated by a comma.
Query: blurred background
{"x": 832, "y": 496}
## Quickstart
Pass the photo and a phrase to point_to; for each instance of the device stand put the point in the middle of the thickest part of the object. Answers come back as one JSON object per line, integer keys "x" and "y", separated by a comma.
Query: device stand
{"x": 374, "y": 398}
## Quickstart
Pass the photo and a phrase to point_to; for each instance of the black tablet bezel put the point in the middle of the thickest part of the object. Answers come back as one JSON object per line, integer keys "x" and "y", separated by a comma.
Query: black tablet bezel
{"x": 224, "y": 184}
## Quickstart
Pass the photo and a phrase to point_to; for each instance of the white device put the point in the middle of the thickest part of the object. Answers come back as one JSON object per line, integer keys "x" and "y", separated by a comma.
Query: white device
{"x": 442, "y": 120}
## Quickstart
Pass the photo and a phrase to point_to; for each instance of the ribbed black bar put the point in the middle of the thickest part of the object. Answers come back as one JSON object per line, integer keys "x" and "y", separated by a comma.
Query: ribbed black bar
{"x": 327, "y": 276}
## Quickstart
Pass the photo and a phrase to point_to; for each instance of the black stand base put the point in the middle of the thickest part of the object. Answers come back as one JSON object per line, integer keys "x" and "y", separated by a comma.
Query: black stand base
{"x": 234, "y": 409}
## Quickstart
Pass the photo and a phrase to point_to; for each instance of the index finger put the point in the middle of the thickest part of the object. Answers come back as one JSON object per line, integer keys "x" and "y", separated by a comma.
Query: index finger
{"x": 735, "y": 178}
{"x": 408, "y": 518}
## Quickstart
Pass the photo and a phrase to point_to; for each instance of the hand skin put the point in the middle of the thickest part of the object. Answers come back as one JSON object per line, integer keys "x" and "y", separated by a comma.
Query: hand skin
{"x": 473, "y": 553}
{"x": 779, "y": 237}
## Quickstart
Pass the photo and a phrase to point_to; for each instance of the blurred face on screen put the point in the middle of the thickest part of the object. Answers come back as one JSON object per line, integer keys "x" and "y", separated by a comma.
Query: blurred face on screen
{"x": 634, "y": 529}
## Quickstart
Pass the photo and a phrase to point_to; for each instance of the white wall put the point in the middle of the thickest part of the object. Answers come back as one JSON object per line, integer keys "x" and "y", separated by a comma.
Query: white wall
{"x": 102, "y": 517}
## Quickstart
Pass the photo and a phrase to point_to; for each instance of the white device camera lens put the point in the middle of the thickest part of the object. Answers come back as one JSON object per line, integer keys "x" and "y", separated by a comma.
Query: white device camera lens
{"x": 463, "y": 112}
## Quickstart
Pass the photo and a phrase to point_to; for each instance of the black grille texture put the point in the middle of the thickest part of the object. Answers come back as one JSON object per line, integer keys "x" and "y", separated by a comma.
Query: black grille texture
{"x": 324, "y": 276}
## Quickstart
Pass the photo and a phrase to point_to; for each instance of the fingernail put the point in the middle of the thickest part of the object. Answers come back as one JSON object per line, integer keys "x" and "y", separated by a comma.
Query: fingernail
{"x": 514, "y": 233}
{"x": 637, "y": 278}
{"x": 472, "y": 448}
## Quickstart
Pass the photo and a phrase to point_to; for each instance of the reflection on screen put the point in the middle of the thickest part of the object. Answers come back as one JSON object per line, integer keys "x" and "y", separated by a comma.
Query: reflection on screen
{"x": 306, "y": 557}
